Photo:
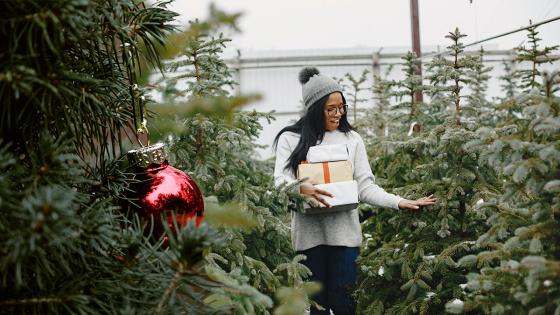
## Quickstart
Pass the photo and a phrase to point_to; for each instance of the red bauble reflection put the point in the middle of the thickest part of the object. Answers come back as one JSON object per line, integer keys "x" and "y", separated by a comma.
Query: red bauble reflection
{"x": 165, "y": 190}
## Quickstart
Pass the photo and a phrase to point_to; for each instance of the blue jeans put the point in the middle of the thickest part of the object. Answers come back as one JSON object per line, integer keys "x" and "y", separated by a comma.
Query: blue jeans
{"x": 335, "y": 268}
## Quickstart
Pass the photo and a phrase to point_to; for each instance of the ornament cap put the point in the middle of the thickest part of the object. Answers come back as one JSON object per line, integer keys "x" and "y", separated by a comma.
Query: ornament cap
{"x": 146, "y": 156}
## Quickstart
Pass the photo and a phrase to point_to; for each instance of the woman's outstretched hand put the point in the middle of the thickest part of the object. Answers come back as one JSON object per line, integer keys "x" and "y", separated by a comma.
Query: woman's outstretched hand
{"x": 416, "y": 204}
{"x": 310, "y": 190}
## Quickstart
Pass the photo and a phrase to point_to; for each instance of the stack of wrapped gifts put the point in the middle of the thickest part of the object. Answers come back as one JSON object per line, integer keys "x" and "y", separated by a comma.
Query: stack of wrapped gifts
{"x": 328, "y": 168}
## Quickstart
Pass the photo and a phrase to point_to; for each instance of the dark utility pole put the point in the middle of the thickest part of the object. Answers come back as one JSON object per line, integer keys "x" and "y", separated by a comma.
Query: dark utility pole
{"x": 415, "y": 26}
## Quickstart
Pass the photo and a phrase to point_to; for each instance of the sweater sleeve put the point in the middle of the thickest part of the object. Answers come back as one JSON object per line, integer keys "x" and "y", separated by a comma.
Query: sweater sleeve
{"x": 369, "y": 191}
{"x": 281, "y": 174}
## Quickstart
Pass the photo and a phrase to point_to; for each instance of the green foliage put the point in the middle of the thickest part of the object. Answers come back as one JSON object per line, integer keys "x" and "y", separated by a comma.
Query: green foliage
{"x": 484, "y": 113}
{"x": 70, "y": 79}
{"x": 489, "y": 244}
{"x": 510, "y": 80}
{"x": 70, "y": 82}
{"x": 295, "y": 300}
{"x": 413, "y": 261}
{"x": 376, "y": 121}
{"x": 408, "y": 111}
{"x": 523, "y": 273}
{"x": 67, "y": 250}
{"x": 535, "y": 56}
{"x": 71, "y": 67}
{"x": 508, "y": 110}
{"x": 353, "y": 92}
{"x": 206, "y": 73}
{"x": 220, "y": 157}
{"x": 214, "y": 140}
{"x": 68, "y": 85}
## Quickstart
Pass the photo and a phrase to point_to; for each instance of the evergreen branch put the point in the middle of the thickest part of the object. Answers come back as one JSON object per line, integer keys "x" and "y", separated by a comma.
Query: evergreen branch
{"x": 171, "y": 287}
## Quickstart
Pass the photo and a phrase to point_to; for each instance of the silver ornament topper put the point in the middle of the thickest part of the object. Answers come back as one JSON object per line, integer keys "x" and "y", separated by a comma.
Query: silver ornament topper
{"x": 144, "y": 157}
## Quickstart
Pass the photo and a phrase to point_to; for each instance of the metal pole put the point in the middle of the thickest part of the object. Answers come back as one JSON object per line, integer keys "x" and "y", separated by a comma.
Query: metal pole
{"x": 237, "y": 69}
{"x": 376, "y": 72}
{"x": 415, "y": 27}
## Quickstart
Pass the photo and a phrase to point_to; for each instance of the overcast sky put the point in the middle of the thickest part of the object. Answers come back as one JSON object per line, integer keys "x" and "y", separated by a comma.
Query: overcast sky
{"x": 312, "y": 24}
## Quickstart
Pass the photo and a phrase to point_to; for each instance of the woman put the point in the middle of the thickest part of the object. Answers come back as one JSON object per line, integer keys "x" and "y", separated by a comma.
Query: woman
{"x": 331, "y": 240}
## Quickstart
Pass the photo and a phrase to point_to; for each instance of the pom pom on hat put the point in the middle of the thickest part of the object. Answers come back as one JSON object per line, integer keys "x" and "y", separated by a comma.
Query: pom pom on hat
{"x": 306, "y": 73}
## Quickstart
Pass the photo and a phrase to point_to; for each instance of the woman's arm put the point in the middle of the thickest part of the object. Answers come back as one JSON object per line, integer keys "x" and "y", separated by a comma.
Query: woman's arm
{"x": 283, "y": 151}
{"x": 375, "y": 195}
{"x": 416, "y": 204}
{"x": 283, "y": 175}
{"x": 369, "y": 191}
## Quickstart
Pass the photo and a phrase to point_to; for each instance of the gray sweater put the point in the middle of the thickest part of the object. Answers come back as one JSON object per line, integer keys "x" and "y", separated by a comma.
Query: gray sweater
{"x": 336, "y": 228}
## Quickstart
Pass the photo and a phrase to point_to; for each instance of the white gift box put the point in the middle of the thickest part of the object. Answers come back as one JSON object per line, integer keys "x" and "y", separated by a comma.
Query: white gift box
{"x": 327, "y": 153}
{"x": 345, "y": 197}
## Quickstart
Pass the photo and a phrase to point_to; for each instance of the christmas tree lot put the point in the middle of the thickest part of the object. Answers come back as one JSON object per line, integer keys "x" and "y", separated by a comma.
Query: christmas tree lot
{"x": 76, "y": 79}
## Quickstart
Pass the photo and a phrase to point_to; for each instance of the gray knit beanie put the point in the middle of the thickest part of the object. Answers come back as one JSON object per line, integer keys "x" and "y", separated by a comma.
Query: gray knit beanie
{"x": 315, "y": 85}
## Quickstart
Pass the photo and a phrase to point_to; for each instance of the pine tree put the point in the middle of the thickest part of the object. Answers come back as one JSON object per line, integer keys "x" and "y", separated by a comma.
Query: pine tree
{"x": 510, "y": 80}
{"x": 438, "y": 110}
{"x": 82, "y": 55}
{"x": 219, "y": 151}
{"x": 535, "y": 57}
{"x": 520, "y": 273}
{"x": 374, "y": 122}
{"x": 69, "y": 84}
{"x": 68, "y": 245}
{"x": 483, "y": 111}
{"x": 354, "y": 88}
{"x": 408, "y": 112}
{"x": 508, "y": 110}
{"x": 410, "y": 259}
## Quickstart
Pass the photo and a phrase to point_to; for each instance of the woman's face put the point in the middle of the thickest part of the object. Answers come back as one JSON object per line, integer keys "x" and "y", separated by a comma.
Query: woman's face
{"x": 333, "y": 111}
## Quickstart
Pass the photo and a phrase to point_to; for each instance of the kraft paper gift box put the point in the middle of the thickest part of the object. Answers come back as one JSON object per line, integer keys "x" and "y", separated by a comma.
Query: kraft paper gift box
{"x": 327, "y": 153}
{"x": 345, "y": 197}
{"x": 326, "y": 172}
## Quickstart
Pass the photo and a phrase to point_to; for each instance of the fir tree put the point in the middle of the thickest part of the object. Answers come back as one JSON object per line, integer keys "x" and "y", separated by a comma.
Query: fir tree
{"x": 219, "y": 151}
{"x": 354, "y": 88}
{"x": 535, "y": 57}
{"x": 483, "y": 112}
{"x": 206, "y": 73}
{"x": 508, "y": 110}
{"x": 69, "y": 247}
{"x": 409, "y": 111}
{"x": 375, "y": 121}
{"x": 510, "y": 80}
{"x": 410, "y": 259}
{"x": 70, "y": 75}
{"x": 438, "y": 110}
{"x": 520, "y": 273}
{"x": 375, "y": 125}
{"x": 62, "y": 57}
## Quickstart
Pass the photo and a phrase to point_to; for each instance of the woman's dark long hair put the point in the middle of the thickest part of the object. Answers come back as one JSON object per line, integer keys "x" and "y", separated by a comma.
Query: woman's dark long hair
{"x": 311, "y": 128}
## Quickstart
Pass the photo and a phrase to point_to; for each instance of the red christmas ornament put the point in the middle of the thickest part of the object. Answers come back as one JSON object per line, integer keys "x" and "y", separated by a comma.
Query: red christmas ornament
{"x": 163, "y": 189}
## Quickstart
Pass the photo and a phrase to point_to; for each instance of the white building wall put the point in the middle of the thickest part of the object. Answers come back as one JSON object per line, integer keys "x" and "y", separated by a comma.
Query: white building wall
{"x": 274, "y": 75}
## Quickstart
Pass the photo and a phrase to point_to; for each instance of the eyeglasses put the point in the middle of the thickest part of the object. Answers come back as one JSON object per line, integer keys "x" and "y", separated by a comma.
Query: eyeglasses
{"x": 332, "y": 110}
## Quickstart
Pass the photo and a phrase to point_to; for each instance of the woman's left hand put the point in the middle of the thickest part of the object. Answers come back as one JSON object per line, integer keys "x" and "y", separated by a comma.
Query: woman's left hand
{"x": 416, "y": 204}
